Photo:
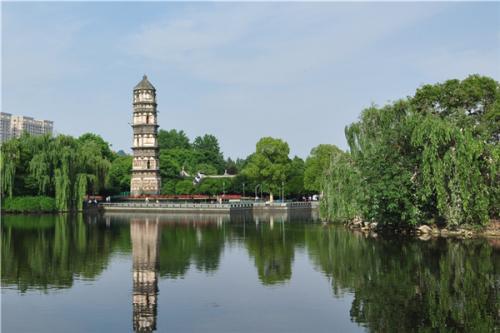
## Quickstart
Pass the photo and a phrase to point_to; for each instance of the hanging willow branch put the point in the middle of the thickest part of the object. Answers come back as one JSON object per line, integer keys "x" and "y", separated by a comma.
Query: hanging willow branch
{"x": 9, "y": 160}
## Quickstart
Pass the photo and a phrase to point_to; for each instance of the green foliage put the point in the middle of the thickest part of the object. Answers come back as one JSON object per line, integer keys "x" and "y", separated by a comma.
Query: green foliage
{"x": 451, "y": 175}
{"x": 431, "y": 157}
{"x": 173, "y": 139}
{"x": 379, "y": 146}
{"x": 119, "y": 174}
{"x": 342, "y": 186}
{"x": 206, "y": 169}
{"x": 294, "y": 186}
{"x": 98, "y": 143}
{"x": 410, "y": 285}
{"x": 184, "y": 187}
{"x": 269, "y": 164}
{"x": 40, "y": 204}
{"x": 396, "y": 285}
{"x": 272, "y": 255}
{"x": 317, "y": 165}
{"x": 208, "y": 152}
{"x": 46, "y": 251}
{"x": 168, "y": 187}
{"x": 62, "y": 166}
{"x": 231, "y": 167}
{"x": 9, "y": 159}
{"x": 177, "y": 154}
{"x": 214, "y": 186}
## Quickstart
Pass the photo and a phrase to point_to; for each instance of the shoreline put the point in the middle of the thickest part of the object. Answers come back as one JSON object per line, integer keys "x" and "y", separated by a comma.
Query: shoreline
{"x": 426, "y": 232}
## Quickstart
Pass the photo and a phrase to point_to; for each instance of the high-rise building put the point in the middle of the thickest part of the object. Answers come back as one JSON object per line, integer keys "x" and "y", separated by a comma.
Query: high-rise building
{"x": 145, "y": 165}
{"x": 5, "y": 133}
{"x": 12, "y": 126}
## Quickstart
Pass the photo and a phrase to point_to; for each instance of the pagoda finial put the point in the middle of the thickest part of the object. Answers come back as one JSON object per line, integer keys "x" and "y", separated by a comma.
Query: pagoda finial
{"x": 144, "y": 77}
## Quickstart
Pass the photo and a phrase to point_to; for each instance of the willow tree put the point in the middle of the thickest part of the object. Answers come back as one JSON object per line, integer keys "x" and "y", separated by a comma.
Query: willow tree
{"x": 317, "y": 163}
{"x": 9, "y": 160}
{"x": 457, "y": 131}
{"x": 432, "y": 158}
{"x": 62, "y": 166}
{"x": 381, "y": 151}
{"x": 342, "y": 189}
{"x": 72, "y": 167}
{"x": 457, "y": 171}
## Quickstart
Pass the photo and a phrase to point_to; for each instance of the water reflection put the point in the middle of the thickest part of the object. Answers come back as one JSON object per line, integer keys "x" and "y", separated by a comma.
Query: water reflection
{"x": 145, "y": 238}
{"x": 396, "y": 285}
{"x": 410, "y": 285}
{"x": 48, "y": 252}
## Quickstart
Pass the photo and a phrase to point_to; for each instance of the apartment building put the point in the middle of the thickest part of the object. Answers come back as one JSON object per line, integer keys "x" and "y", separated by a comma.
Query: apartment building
{"x": 12, "y": 126}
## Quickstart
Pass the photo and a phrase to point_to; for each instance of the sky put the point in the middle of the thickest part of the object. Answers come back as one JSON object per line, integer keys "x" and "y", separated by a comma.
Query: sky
{"x": 240, "y": 71}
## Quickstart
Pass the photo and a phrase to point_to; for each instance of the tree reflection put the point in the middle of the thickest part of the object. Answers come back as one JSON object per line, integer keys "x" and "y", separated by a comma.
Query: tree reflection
{"x": 183, "y": 244}
{"x": 398, "y": 285}
{"x": 47, "y": 251}
{"x": 271, "y": 243}
{"x": 408, "y": 285}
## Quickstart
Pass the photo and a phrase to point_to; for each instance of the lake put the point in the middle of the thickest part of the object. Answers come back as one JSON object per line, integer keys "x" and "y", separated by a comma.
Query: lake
{"x": 221, "y": 273}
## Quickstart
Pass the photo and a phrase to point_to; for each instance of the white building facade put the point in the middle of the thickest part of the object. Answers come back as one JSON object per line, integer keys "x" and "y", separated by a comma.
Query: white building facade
{"x": 12, "y": 126}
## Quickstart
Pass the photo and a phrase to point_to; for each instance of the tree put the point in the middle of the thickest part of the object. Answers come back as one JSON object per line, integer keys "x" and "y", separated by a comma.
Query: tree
{"x": 62, "y": 166}
{"x": 294, "y": 185}
{"x": 269, "y": 164}
{"x": 168, "y": 187}
{"x": 317, "y": 165}
{"x": 342, "y": 190}
{"x": 102, "y": 146}
{"x": 184, "y": 187}
{"x": 207, "y": 151}
{"x": 173, "y": 139}
{"x": 231, "y": 167}
{"x": 212, "y": 186}
{"x": 431, "y": 158}
{"x": 120, "y": 173}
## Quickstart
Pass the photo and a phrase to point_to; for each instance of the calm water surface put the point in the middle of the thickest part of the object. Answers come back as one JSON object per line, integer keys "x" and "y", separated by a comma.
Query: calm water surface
{"x": 208, "y": 273}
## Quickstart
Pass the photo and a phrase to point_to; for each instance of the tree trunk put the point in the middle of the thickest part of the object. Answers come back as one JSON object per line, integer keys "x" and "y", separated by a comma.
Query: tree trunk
{"x": 271, "y": 198}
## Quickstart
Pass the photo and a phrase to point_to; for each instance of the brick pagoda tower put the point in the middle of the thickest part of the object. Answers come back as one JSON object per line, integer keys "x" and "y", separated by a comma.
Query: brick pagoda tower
{"x": 145, "y": 166}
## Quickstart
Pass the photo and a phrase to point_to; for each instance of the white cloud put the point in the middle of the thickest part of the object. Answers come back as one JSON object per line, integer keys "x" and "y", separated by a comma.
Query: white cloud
{"x": 262, "y": 44}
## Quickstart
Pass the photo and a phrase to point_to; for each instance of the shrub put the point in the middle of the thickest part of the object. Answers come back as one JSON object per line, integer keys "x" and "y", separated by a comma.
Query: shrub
{"x": 39, "y": 204}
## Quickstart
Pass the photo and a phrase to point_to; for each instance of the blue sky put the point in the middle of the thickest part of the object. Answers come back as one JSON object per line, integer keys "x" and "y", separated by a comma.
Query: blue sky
{"x": 240, "y": 71}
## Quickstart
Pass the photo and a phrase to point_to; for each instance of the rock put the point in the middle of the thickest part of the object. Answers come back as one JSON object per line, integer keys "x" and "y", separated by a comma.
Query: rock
{"x": 424, "y": 229}
{"x": 444, "y": 232}
{"x": 357, "y": 222}
{"x": 424, "y": 237}
{"x": 373, "y": 225}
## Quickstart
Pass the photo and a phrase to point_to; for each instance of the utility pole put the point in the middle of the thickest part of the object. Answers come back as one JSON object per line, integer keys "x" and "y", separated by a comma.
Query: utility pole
{"x": 283, "y": 191}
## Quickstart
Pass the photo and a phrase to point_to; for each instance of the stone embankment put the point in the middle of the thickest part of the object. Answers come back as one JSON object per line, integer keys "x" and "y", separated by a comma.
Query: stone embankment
{"x": 425, "y": 232}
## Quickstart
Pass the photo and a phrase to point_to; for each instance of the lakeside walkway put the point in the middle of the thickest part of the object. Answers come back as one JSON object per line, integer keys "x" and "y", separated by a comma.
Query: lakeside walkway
{"x": 186, "y": 207}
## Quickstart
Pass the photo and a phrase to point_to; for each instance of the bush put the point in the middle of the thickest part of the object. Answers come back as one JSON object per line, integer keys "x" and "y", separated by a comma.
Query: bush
{"x": 39, "y": 204}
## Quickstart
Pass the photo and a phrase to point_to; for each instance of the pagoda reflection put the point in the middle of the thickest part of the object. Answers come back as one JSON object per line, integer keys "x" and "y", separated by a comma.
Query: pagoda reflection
{"x": 145, "y": 236}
